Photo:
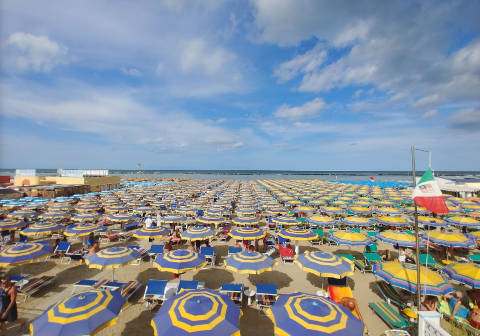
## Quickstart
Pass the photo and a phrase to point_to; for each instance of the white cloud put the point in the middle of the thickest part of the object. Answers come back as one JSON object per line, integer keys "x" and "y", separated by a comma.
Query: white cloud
{"x": 430, "y": 114}
{"x": 131, "y": 72}
{"x": 308, "y": 109}
{"x": 307, "y": 62}
{"x": 358, "y": 93}
{"x": 197, "y": 56}
{"x": 36, "y": 53}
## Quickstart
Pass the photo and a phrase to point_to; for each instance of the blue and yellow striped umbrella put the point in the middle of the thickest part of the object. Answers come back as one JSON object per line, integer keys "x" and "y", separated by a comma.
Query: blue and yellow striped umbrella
{"x": 454, "y": 239}
{"x": 467, "y": 273}
{"x": 179, "y": 261}
{"x": 285, "y": 220}
{"x": 357, "y": 221}
{"x": 210, "y": 220}
{"x": 23, "y": 253}
{"x": 321, "y": 220}
{"x": 245, "y": 211}
{"x": 198, "y": 232}
{"x": 82, "y": 314}
{"x": 201, "y": 312}
{"x": 389, "y": 211}
{"x": 54, "y": 215}
{"x": 144, "y": 209}
{"x": 11, "y": 224}
{"x": 120, "y": 217}
{"x": 113, "y": 257}
{"x": 37, "y": 228}
{"x": 325, "y": 264}
{"x": 153, "y": 232}
{"x": 349, "y": 238}
{"x": 249, "y": 262}
{"x": 22, "y": 213}
{"x": 115, "y": 208}
{"x": 392, "y": 221}
{"x": 464, "y": 221}
{"x": 298, "y": 234}
{"x": 307, "y": 314}
{"x": 173, "y": 219}
{"x": 247, "y": 233}
{"x": 86, "y": 216}
{"x": 398, "y": 238}
{"x": 81, "y": 230}
{"x": 333, "y": 210}
{"x": 361, "y": 210}
{"x": 431, "y": 221}
{"x": 87, "y": 207}
{"x": 246, "y": 220}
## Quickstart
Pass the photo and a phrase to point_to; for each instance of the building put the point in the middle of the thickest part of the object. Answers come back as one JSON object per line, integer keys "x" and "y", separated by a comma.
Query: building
{"x": 54, "y": 190}
{"x": 458, "y": 187}
{"x": 96, "y": 180}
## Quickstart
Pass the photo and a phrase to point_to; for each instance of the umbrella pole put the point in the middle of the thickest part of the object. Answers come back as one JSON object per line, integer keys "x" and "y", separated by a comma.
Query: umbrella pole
{"x": 113, "y": 274}
{"x": 417, "y": 252}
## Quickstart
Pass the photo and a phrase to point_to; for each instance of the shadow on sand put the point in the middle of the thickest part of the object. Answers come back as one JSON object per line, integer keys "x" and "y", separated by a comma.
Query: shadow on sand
{"x": 214, "y": 277}
{"x": 277, "y": 278}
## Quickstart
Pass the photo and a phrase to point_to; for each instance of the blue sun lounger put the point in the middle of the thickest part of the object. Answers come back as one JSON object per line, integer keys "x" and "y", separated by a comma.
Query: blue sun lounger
{"x": 155, "y": 291}
{"x": 189, "y": 285}
{"x": 266, "y": 295}
{"x": 233, "y": 250}
{"x": 234, "y": 291}
{"x": 209, "y": 253}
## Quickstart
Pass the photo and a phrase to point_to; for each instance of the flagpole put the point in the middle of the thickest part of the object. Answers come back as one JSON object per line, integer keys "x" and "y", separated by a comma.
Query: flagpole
{"x": 417, "y": 243}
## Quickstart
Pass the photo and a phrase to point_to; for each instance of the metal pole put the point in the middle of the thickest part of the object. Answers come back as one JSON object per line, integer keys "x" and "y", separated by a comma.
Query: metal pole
{"x": 417, "y": 244}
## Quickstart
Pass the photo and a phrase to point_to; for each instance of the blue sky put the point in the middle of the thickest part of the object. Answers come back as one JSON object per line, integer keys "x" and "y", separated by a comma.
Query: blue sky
{"x": 260, "y": 84}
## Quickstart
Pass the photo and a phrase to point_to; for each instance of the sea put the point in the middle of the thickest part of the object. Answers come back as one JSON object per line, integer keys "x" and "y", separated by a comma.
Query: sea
{"x": 357, "y": 176}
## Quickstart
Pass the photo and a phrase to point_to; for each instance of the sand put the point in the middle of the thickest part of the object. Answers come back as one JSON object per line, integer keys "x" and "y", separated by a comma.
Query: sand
{"x": 135, "y": 318}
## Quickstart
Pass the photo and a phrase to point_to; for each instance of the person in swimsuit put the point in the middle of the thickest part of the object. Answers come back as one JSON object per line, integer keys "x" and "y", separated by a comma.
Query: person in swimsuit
{"x": 9, "y": 305}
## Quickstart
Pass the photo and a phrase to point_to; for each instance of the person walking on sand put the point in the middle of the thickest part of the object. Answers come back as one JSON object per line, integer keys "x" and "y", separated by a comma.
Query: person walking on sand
{"x": 9, "y": 305}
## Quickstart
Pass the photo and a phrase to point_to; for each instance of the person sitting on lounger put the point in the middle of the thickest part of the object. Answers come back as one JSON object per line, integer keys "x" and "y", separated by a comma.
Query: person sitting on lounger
{"x": 94, "y": 249}
{"x": 430, "y": 303}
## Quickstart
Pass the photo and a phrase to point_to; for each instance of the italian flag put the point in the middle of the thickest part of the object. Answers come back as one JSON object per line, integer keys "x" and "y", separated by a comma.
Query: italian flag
{"x": 427, "y": 194}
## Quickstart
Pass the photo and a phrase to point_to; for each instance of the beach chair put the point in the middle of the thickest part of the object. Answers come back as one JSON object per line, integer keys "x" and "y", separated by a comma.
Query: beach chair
{"x": 62, "y": 248}
{"x": 157, "y": 291}
{"x": 143, "y": 254}
{"x": 209, "y": 253}
{"x": 223, "y": 236}
{"x": 391, "y": 295}
{"x": 155, "y": 250}
{"x": 391, "y": 317}
{"x": 337, "y": 293}
{"x": 20, "y": 280}
{"x": 371, "y": 258}
{"x": 234, "y": 291}
{"x": 474, "y": 258}
{"x": 125, "y": 236}
{"x": 131, "y": 226}
{"x": 233, "y": 250}
{"x": 349, "y": 257}
{"x": 286, "y": 253}
{"x": 129, "y": 288}
{"x": 430, "y": 262}
{"x": 328, "y": 240}
{"x": 69, "y": 256}
{"x": 34, "y": 285}
{"x": 319, "y": 240}
{"x": 371, "y": 248}
{"x": 85, "y": 284}
{"x": 266, "y": 295}
{"x": 372, "y": 234}
{"x": 184, "y": 285}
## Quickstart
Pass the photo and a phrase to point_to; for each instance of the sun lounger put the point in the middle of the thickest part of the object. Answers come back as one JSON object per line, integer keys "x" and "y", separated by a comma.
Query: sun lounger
{"x": 69, "y": 256}
{"x": 143, "y": 254}
{"x": 266, "y": 295}
{"x": 129, "y": 288}
{"x": 349, "y": 257}
{"x": 20, "y": 280}
{"x": 83, "y": 284}
{"x": 209, "y": 253}
{"x": 286, "y": 253}
{"x": 62, "y": 248}
{"x": 371, "y": 258}
{"x": 155, "y": 250}
{"x": 223, "y": 236}
{"x": 391, "y": 317}
{"x": 319, "y": 240}
{"x": 234, "y": 291}
{"x": 337, "y": 293}
{"x": 233, "y": 250}
{"x": 189, "y": 285}
{"x": 34, "y": 285}
{"x": 391, "y": 295}
{"x": 125, "y": 236}
{"x": 474, "y": 257}
{"x": 158, "y": 291}
{"x": 427, "y": 259}
{"x": 371, "y": 248}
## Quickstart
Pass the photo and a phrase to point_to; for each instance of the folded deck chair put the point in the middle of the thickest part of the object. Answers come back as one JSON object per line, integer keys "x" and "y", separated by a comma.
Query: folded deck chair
{"x": 234, "y": 291}
{"x": 156, "y": 292}
{"x": 266, "y": 295}
{"x": 233, "y": 250}
{"x": 34, "y": 285}
{"x": 209, "y": 253}
{"x": 390, "y": 294}
{"x": 391, "y": 317}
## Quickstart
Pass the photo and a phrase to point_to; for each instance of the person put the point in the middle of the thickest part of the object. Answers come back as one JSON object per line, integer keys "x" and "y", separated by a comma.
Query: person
{"x": 148, "y": 222}
{"x": 475, "y": 318}
{"x": 402, "y": 256}
{"x": 430, "y": 303}
{"x": 9, "y": 305}
{"x": 452, "y": 306}
{"x": 91, "y": 239}
{"x": 94, "y": 249}
{"x": 54, "y": 247}
{"x": 386, "y": 256}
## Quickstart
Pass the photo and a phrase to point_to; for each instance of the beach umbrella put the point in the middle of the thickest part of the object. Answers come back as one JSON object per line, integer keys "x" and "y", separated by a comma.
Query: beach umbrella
{"x": 431, "y": 221}
{"x": 198, "y": 232}
{"x": 11, "y": 224}
{"x": 389, "y": 211}
{"x": 249, "y": 262}
{"x": 120, "y": 217}
{"x": 361, "y": 210}
{"x": 112, "y": 257}
{"x": 349, "y": 238}
{"x": 210, "y": 220}
{"x": 398, "y": 238}
{"x": 245, "y": 211}
{"x": 453, "y": 239}
{"x": 202, "y": 312}
{"x": 393, "y": 221}
{"x": 285, "y": 220}
{"x": 304, "y": 209}
{"x": 152, "y": 232}
{"x": 54, "y": 215}
{"x": 464, "y": 221}
{"x": 115, "y": 208}
{"x": 275, "y": 211}
{"x": 23, "y": 253}
{"x": 81, "y": 314}
{"x": 245, "y": 221}
{"x": 325, "y": 264}
{"x": 405, "y": 276}
{"x": 22, "y": 213}
{"x": 86, "y": 216}
{"x": 298, "y": 234}
{"x": 87, "y": 207}
{"x": 332, "y": 210}
{"x": 44, "y": 228}
{"x": 173, "y": 219}
{"x": 247, "y": 233}
{"x": 179, "y": 261}
{"x": 420, "y": 210}
{"x": 467, "y": 273}
{"x": 307, "y": 314}
{"x": 357, "y": 221}
{"x": 82, "y": 230}
{"x": 144, "y": 209}
{"x": 321, "y": 220}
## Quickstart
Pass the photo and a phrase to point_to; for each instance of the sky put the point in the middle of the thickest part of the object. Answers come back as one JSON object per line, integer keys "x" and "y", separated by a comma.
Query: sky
{"x": 260, "y": 84}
